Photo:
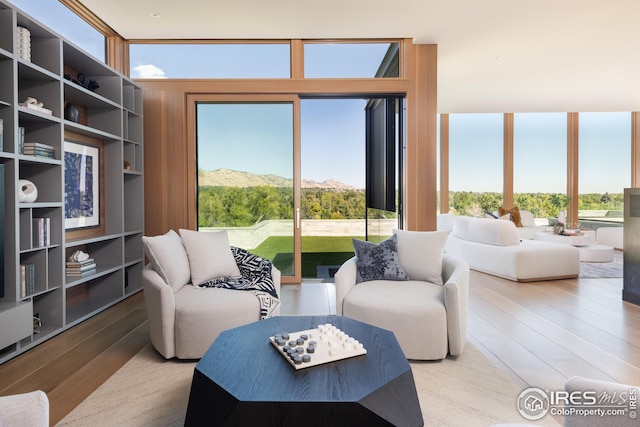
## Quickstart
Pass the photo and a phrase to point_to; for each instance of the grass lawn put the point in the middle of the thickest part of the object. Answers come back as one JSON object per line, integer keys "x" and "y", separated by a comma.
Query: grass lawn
{"x": 316, "y": 250}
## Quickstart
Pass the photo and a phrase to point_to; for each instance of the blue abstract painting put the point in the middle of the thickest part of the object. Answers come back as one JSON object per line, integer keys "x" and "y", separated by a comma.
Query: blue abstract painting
{"x": 80, "y": 185}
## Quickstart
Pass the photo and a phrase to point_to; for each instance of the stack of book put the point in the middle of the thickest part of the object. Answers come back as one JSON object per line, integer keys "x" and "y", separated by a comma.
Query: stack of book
{"x": 81, "y": 268}
{"x": 41, "y": 232}
{"x": 39, "y": 149}
{"x": 27, "y": 279}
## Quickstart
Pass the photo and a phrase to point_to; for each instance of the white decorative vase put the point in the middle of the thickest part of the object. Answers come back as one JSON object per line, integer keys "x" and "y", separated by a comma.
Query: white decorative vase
{"x": 562, "y": 217}
{"x": 27, "y": 191}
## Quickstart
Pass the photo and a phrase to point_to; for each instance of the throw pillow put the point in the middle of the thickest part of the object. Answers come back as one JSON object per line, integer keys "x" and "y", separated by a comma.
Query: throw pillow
{"x": 378, "y": 262}
{"x": 515, "y": 215}
{"x": 168, "y": 258}
{"x": 421, "y": 254}
{"x": 526, "y": 218}
{"x": 209, "y": 255}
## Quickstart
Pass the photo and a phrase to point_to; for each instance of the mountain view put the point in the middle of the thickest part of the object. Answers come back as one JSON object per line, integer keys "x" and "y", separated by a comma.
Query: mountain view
{"x": 232, "y": 178}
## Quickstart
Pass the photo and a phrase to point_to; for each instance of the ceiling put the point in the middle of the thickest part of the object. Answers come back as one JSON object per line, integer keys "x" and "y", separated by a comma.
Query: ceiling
{"x": 493, "y": 55}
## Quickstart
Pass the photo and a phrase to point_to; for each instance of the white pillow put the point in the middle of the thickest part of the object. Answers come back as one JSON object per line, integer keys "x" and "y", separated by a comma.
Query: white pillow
{"x": 526, "y": 218}
{"x": 209, "y": 255}
{"x": 168, "y": 258}
{"x": 421, "y": 254}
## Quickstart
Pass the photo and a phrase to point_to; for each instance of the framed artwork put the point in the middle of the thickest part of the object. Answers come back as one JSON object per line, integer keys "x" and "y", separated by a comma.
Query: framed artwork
{"x": 83, "y": 186}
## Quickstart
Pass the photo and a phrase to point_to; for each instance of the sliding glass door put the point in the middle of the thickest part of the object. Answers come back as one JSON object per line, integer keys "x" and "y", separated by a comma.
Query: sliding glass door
{"x": 349, "y": 160}
{"x": 295, "y": 180}
{"x": 245, "y": 180}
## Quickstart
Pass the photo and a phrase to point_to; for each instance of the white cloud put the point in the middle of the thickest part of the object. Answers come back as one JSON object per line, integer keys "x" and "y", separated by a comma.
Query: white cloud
{"x": 149, "y": 71}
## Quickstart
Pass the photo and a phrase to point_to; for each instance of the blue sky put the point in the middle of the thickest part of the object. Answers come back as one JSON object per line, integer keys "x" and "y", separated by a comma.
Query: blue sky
{"x": 251, "y": 60}
{"x": 333, "y": 130}
{"x": 540, "y": 153}
{"x": 258, "y": 139}
{"x": 58, "y": 17}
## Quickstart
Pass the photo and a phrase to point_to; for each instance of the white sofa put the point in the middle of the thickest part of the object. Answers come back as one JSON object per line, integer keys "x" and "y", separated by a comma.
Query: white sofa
{"x": 495, "y": 247}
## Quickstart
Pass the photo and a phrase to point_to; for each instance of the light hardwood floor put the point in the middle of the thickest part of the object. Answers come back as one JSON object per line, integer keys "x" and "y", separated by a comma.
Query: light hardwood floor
{"x": 538, "y": 333}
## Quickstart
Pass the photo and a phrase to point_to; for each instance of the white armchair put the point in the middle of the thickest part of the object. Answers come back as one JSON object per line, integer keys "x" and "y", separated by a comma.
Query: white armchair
{"x": 428, "y": 317}
{"x": 183, "y": 319}
{"x": 25, "y": 410}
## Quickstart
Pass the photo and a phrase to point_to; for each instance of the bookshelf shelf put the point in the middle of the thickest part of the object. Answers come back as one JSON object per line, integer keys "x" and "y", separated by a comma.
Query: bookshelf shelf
{"x": 35, "y": 235}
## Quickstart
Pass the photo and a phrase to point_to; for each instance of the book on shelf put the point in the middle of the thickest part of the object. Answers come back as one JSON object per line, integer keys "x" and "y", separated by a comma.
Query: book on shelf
{"x": 20, "y": 139}
{"x": 39, "y": 145}
{"x": 80, "y": 268}
{"x": 82, "y": 273}
{"x": 80, "y": 263}
{"x": 1, "y": 132}
{"x": 27, "y": 279}
{"x": 41, "y": 231}
{"x": 39, "y": 149}
{"x": 39, "y": 152}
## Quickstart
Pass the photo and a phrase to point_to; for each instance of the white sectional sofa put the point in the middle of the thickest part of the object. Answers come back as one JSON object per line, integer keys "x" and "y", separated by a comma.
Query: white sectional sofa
{"x": 494, "y": 247}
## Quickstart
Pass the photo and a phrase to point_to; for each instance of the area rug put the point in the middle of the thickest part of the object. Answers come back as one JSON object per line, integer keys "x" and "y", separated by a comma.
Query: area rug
{"x": 150, "y": 391}
{"x": 603, "y": 270}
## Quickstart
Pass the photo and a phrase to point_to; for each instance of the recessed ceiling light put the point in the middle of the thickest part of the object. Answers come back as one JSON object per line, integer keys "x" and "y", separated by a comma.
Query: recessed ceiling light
{"x": 155, "y": 15}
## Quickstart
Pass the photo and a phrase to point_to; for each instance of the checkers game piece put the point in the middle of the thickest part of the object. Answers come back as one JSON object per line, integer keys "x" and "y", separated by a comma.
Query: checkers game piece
{"x": 326, "y": 344}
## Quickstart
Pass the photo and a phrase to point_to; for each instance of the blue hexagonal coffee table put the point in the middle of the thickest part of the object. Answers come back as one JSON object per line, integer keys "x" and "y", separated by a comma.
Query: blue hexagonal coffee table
{"x": 242, "y": 380}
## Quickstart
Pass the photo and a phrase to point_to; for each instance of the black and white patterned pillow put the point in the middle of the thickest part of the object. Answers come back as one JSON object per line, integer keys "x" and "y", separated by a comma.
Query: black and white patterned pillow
{"x": 378, "y": 262}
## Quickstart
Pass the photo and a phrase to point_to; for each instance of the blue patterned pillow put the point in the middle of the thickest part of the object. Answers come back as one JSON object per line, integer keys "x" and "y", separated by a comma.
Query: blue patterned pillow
{"x": 378, "y": 262}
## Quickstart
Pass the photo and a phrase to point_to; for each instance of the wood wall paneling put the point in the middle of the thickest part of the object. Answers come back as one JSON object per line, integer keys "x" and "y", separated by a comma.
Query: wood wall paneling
{"x": 421, "y": 150}
{"x": 165, "y": 162}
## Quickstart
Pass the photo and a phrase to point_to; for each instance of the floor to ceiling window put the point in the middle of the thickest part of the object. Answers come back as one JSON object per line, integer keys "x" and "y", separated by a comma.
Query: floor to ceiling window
{"x": 475, "y": 163}
{"x": 604, "y": 167}
{"x": 540, "y": 163}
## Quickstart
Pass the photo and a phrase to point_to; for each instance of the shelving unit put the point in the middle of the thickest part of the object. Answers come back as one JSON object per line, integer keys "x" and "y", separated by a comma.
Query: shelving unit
{"x": 110, "y": 117}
